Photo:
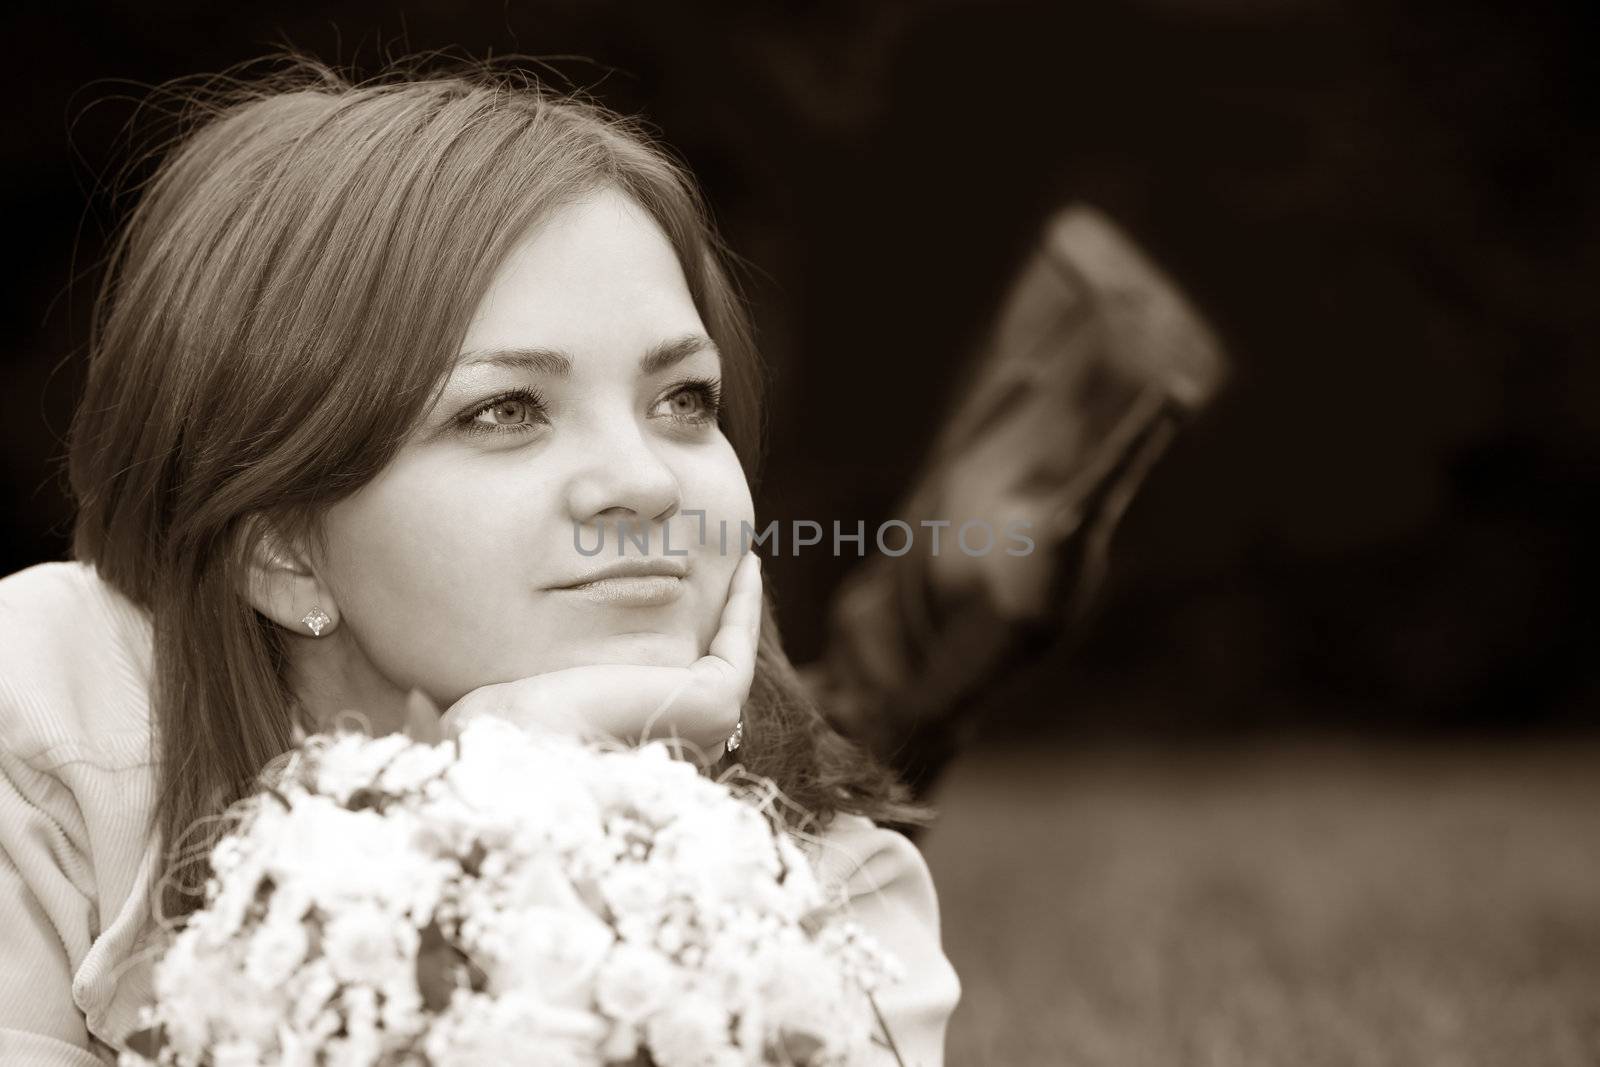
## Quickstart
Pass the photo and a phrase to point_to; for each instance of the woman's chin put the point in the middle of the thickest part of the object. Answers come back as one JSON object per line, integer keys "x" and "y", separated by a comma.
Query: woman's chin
{"x": 642, "y": 648}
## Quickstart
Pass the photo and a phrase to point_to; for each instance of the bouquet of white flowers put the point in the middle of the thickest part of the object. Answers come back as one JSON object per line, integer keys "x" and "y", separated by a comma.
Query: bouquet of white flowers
{"x": 504, "y": 899}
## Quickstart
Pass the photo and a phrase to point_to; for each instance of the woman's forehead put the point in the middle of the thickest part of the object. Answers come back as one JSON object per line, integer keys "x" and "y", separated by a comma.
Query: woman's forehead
{"x": 592, "y": 274}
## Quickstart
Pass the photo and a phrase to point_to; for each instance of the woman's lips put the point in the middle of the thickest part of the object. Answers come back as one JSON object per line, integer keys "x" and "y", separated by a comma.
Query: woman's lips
{"x": 635, "y": 591}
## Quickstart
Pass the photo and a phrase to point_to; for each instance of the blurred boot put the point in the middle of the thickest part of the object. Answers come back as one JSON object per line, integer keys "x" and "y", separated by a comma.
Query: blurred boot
{"x": 1093, "y": 364}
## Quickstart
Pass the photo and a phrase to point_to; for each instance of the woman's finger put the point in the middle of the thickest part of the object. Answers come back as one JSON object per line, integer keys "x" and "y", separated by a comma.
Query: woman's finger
{"x": 740, "y": 631}
{"x": 622, "y": 701}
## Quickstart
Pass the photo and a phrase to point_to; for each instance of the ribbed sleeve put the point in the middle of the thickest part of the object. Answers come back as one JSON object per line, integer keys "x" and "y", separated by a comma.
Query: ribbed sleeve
{"x": 75, "y": 791}
{"x": 46, "y": 921}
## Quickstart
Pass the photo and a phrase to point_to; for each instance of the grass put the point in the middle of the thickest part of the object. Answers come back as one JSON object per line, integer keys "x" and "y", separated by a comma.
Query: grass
{"x": 1290, "y": 905}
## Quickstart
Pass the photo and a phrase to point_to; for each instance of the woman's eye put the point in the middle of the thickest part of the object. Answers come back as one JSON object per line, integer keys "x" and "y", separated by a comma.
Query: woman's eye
{"x": 695, "y": 402}
{"x": 509, "y": 411}
{"x": 514, "y": 412}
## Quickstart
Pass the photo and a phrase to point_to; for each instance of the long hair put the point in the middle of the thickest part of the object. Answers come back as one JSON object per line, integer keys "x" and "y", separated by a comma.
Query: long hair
{"x": 278, "y": 309}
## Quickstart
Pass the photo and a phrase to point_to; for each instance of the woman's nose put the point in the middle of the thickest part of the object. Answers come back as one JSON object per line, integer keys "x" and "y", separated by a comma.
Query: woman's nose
{"x": 624, "y": 479}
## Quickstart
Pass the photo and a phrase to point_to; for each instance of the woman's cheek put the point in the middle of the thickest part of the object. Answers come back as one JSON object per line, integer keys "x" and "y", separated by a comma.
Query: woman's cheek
{"x": 398, "y": 559}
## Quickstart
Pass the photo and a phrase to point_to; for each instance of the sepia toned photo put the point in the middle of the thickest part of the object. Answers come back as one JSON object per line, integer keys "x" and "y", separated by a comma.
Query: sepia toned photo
{"x": 888, "y": 534}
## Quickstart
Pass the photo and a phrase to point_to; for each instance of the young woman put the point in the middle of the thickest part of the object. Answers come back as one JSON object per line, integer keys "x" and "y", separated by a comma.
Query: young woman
{"x": 376, "y": 368}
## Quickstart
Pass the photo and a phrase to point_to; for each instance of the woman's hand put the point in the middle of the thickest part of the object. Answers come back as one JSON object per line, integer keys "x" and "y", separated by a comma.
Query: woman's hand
{"x": 699, "y": 703}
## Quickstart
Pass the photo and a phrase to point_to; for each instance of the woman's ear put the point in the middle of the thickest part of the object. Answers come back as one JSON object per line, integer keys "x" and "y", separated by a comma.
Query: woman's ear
{"x": 283, "y": 586}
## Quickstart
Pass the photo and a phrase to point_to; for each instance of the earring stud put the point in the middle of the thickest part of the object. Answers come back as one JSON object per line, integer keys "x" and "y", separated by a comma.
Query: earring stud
{"x": 736, "y": 738}
{"x": 315, "y": 620}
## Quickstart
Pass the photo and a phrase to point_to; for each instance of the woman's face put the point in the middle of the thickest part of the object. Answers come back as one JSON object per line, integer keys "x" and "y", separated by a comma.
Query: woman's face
{"x": 452, "y": 569}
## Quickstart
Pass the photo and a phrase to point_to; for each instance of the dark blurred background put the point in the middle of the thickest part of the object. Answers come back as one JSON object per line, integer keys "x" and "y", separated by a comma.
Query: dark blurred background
{"x": 1383, "y": 530}
{"x": 1389, "y": 214}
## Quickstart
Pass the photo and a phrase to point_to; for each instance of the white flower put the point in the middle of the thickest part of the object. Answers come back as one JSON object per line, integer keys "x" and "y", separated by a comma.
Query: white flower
{"x": 719, "y": 852}
{"x": 227, "y": 907}
{"x": 296, "y": 1049}
{"x": 275, "y": 951}
{"x": 657, "y": 786}
{"x": 633, "y": 982}
{"x": 540, "y": 882}
{"x": 206, "y": 997}
{"x": 313, "y": 987}
{"x": 402, "y": 1008}
{"x": 235, "y": 1054}
{"x": 334, "y": 856}
{"x": 352, "y": 761}
{"x": 634, "y": 889}
{"x": 541, "y": 780}
{"x": 288, "y": 904}
{"x": 553, "y": 950}
{"x": 687, "y": 1032}
{"x": 414, "y": 766}
{"x": 803, "y": 991}
{"x": 365, "y": 945}
{"x": 513, "y": 1030}
{"x": 361, "y": 1050}
{"x": 750, "y": 1032}
{"x": 621, "y": 1044}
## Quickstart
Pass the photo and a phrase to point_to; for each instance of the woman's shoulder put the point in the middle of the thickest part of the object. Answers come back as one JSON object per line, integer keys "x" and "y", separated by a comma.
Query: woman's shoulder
{"x": 75, "y": 668}
{"x": 76, "y": 790}
{"x": 873, "y": 862}
{"x": 854, "y": 850}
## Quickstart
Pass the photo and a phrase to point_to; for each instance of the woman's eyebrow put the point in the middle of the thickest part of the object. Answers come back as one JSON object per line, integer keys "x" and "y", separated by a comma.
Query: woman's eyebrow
{"x": 558, "y": 364}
